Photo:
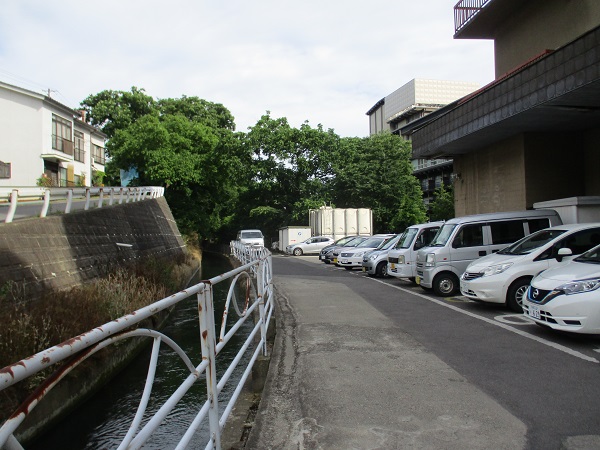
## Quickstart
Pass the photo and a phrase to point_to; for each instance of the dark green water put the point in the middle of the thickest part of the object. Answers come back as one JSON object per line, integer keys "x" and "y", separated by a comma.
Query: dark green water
{"x": 104, "y": 420}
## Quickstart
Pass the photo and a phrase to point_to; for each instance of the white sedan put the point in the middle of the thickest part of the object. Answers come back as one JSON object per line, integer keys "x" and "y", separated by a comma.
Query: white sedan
{"x": 567, "y": 298}
{"x": 311, "y": 245}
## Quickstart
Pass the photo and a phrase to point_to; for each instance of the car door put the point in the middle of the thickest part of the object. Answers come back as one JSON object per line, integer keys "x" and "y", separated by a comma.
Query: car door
{"x": 468, "y": 245}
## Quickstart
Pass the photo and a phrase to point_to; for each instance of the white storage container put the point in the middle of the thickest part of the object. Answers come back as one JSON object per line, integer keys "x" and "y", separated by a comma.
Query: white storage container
{"x": 292, "y": 235}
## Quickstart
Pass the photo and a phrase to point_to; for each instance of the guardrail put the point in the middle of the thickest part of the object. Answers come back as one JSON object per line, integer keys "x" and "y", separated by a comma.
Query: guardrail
{"x": 258, "y": 289}
{"x": 93, "y": 197}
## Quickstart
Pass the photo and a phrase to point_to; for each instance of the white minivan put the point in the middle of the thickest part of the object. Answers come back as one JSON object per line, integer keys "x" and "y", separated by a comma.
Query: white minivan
{"x": 253, "y": 238}
{"x": 464, "y": 239}
{"x": 504, "y": 276}
{"x": 402, "y": 257}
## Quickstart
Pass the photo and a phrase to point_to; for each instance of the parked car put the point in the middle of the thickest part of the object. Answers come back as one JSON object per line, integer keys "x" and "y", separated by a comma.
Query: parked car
{"x": 566, "y": 297}
{"x": 402, "y": 257}
{"x": 464, "y": 239}
{"x": 350, "y": 256}
{"x": 326, "y": 254}
{"x": 309, "y": 246}
{"x": 504, "y": 276}
{"x": 254, "y": 238}
{"x": 375, "y": 262}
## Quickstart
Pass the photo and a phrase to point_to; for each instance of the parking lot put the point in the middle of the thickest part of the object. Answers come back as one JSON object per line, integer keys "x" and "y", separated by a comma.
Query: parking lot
{"x": 545, "y": 378}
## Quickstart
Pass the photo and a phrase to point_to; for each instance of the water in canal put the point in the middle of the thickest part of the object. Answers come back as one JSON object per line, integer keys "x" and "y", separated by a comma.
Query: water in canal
{"x": 104, "y": 420}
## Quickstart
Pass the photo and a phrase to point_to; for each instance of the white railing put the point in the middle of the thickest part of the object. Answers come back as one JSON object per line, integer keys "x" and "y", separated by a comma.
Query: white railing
{"x": 465, "y": 10}
{"x": 258, "y": 303}
{"x": 40, "y": 198}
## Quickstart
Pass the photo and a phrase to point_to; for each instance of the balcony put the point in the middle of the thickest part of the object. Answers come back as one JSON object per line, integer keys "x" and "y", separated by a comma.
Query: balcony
{"x": 479, "y": 19}
{"x": 62, "y": 145}
{"x": 465, "y": 10}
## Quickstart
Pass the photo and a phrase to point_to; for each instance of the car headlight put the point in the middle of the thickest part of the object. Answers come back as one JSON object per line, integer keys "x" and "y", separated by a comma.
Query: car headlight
{"x": 401, "y": 259}
{"x": 430, "y": 260}
{"x": 373, "y": 257}
{"x": 357, "y": 254}
{"x": 577, "y": 287}
{"x": 495, "y": 269}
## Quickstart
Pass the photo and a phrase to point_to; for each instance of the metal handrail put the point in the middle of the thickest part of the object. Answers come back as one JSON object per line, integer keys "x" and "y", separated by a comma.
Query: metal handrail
{"x": 465, "y": 10}
{"x": 257, "y": 278}
{"x": 14, "y": 196}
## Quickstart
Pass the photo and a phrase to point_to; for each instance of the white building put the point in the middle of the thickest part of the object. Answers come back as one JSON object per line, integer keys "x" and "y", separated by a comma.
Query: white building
{"x": 42, "y": 138}
{"x": 397, "y": 111}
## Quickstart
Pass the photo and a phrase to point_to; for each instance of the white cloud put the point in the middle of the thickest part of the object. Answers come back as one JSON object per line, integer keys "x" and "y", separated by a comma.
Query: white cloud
{"x": 322, "y": 61}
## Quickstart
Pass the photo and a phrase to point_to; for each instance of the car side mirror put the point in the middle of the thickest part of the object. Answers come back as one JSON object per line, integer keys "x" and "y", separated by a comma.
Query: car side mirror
{"x": 562, "y": 252}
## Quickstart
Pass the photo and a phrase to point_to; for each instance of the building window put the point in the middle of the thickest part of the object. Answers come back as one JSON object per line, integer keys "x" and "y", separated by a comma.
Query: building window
{"x": 79, "y": 153}
{"x": 98, "y": 154}
{"x": 4, "y": 170}
{"x": 61, "y": 135}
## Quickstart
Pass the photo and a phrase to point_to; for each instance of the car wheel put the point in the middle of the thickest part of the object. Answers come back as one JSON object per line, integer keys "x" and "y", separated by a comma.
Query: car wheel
{"x": 381, "y": 269}
{"x": 413, "y": 280}
{"x": 326, "y": 261}
{"x": 297, "y": 252}
{"x": 515, "y": 294}
{"x": 445, "y": 284}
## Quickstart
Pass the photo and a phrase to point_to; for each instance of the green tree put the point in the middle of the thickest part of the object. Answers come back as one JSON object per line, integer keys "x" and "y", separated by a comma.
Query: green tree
{"x": 442, "y": 206}
{"x": 376, "y": 172}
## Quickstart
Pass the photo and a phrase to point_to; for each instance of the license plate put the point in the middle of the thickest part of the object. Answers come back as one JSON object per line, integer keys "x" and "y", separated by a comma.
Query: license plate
{"x": 344, "y": 261}
{"x": 335, "y": 260}
{"x": 364, "y": 269}
{"x": 534, "y": 311}
{"x": 321, "y": 256}
{"x": 392, "y": 266}
{"x": 418, "y": 280}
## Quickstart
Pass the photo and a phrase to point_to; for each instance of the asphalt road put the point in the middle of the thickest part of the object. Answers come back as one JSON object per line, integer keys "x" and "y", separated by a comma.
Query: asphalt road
{"x": 546, "y": 380}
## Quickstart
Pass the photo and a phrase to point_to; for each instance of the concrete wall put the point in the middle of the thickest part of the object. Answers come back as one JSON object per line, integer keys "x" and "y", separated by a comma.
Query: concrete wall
{"x": 496, "y": 180}
{"x": 59, "y": 252}
{"x": 534, "y": 29}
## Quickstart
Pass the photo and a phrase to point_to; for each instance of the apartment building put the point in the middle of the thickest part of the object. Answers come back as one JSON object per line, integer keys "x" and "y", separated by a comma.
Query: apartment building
{"x": 44, "y": 141}
{"x": 531, "y": 136}
{"x": 398, "y": 111}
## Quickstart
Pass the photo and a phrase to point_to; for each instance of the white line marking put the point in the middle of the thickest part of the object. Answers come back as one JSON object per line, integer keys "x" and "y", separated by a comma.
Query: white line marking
{"x": 554, "y": 345}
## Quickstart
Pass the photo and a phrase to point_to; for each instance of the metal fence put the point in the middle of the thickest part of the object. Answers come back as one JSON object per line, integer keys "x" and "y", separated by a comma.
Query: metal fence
{"x": 253, "y": 277}
{"x": 87, "y": 198}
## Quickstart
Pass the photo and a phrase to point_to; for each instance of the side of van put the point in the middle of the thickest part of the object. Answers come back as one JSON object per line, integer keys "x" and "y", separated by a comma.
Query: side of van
{"x": 254, "y": 238}
{"x": 464, "y": 239}
{"x": 402, "y": 257}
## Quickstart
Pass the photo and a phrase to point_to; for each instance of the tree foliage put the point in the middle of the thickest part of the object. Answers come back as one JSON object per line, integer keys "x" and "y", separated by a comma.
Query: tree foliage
{"x": 442, "y": 206}
{"x": 218, "y": 180}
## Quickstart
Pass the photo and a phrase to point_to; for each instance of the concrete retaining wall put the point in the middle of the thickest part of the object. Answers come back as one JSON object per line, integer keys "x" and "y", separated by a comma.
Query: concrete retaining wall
{"x": 63, "y": 251}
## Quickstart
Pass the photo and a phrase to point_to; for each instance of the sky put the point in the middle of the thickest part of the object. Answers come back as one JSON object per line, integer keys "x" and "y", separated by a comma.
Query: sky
{"x": 321, "y": 61}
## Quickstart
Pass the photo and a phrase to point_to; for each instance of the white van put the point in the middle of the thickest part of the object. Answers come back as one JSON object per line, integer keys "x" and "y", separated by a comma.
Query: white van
{"x": 464, "y": 239}
{"x": 505, "y": 276}
{"x": 254, "y": 238}
{"x": 402, "y": 257}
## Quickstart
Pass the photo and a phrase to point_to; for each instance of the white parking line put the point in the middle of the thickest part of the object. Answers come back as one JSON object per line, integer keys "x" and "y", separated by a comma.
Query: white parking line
{"x": 507, "y": 327}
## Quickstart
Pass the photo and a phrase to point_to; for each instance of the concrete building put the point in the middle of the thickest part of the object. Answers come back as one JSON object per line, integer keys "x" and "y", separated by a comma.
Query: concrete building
{"x": 416, "y": 99}
{"x": 40, "y": 137}
{"x": 532, "y": 135}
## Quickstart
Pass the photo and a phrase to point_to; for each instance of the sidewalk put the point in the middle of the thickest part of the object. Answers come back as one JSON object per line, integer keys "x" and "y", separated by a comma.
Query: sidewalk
{"x": 342, "y": 376}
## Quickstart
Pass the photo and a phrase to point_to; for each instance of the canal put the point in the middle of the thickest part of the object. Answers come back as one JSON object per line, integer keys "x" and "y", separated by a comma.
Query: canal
{"x": 103, "y": 421}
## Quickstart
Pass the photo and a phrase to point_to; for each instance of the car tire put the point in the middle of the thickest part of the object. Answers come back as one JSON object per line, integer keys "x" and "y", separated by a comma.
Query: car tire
{"x": 381, "y": 269}
{"x": 326, "y": 261}
{"x": 515, "y": 293}
{"x": 413, "y": 280}
{"x": 445, "y": 284}
{"x": 297, "y": 252}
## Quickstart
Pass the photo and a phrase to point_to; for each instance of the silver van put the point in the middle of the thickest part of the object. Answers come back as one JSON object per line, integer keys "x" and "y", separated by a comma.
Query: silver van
{"x": 402, "y": 257}
{"x": 464, "y": 239}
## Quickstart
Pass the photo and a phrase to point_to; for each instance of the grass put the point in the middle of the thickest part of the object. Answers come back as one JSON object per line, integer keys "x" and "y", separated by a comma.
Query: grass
{"x": 30, "y": 327}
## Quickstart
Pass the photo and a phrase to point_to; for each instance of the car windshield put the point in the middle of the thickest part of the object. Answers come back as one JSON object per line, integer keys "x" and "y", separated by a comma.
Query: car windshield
{"x": 407, "y": 238}
{"x": 251, "y": 234}
{"x": 530, "y": 243}
{"x": 344, "y": 240}
{"x": 353, "y": 242}
{"x": 442, "y": 236}
{"x": 389, "y": 243}
{"x": 591, "y": 256}
{"x": 371, "y": 242}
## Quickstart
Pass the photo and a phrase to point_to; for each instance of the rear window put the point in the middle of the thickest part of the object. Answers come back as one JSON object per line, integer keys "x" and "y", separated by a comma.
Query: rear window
{"x": 507, "y": 232}
{"x": 538, "y": 224}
